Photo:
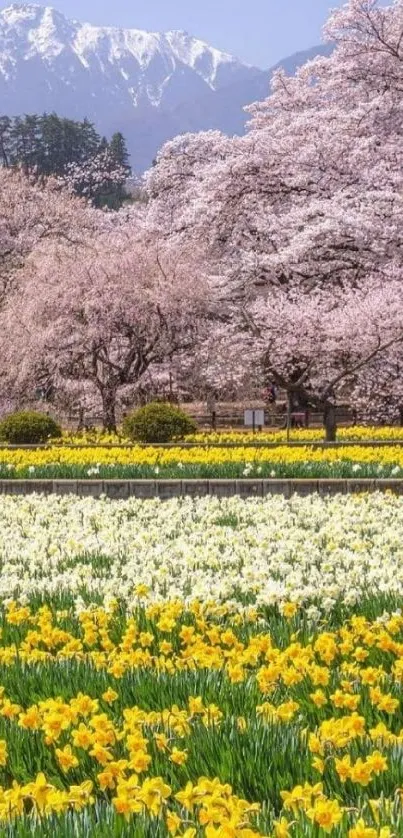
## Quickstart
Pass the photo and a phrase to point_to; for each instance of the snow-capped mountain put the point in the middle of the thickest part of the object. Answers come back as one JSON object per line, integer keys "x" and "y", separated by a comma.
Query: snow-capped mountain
{"x": 148, "y": 85}
{"x": 113, "y": 76}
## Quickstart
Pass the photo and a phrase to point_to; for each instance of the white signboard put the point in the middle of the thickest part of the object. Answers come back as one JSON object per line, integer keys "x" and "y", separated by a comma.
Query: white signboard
{"x": 254, "y": 418}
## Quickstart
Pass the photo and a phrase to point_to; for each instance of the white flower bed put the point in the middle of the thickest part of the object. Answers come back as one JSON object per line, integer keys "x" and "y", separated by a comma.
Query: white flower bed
{"x": 275, "y": 549}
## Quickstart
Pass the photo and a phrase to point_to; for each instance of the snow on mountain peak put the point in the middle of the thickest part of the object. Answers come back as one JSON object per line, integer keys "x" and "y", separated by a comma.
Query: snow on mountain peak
{"x": 20, "y": 11}
{"x": 23, "y": 16}
{"x": 121, "y": 79}
{"x": 27, "y": 30}
{"x": 43, "y": 31}
{"x": 197, "y": 54}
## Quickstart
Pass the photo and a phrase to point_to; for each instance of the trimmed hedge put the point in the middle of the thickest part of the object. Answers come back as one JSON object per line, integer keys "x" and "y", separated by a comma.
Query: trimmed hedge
{"x": 27, "y": 427}
{"x": 158, "y": 422}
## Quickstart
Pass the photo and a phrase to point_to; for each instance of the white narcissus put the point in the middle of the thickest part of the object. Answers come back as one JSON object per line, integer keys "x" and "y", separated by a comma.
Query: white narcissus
{"x": 313, "y": 550}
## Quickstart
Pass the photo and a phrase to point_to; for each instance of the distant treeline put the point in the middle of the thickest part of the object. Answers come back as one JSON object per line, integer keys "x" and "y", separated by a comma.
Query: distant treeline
{"x": 50, "y": 145}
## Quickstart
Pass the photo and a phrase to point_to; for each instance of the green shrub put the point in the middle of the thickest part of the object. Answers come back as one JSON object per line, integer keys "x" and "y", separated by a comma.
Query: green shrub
{"x": 26, "y": 427}
{"x": 158, "y": 422}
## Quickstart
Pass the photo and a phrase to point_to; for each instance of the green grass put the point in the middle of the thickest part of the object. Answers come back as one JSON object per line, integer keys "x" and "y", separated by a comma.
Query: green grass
{"x": 343, "y": 469}
{"x": 99, "y": 821}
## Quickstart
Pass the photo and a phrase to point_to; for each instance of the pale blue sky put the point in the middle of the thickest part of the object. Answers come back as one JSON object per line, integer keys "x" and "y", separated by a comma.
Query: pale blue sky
{"x": 258, "y": 31}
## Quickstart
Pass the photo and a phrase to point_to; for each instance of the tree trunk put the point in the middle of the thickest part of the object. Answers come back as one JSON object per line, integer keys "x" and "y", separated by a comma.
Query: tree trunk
{"x": 329, "y": 421}
{"x": 109, "y": 409}
{"x": 80, "y": 425}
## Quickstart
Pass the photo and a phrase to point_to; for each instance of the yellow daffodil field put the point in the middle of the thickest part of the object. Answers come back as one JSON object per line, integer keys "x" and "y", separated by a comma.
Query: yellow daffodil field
{"x": 231, "y": 455}
{"x": 201, "y": 461}
{"x": 349, "y": 433}
{"x": 201, "y": 667}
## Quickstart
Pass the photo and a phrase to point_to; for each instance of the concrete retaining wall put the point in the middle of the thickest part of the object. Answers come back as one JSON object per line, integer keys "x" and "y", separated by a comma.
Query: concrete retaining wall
{"x": 164, "y": 489}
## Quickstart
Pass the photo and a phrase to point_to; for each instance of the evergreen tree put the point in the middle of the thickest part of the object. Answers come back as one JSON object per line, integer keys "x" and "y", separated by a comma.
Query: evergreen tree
{"x": 19, "y": 143}
{"x": 32, "y": 132}
{"x": 119, "y": 152}
{"x": 5, "y": 128}
{"x": 50, "y": 145}
{"x": 89, "y": 139}
{"x": 115, "y": 194}
{"x": 103, "y": 145}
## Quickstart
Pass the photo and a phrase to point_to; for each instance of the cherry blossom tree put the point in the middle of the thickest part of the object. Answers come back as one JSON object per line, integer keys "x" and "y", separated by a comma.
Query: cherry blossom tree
{"x": 303, "y": 215}
{"x": 335, "y": 126}
{"x": 96, "y": 322}
{"x": 279, "y": 252}
{"x": 322, "y": 349}
{"x": 30, "y": 215}
{"x": 33, "y": 218}
{"x": 100, "y": 179}
{"x": 378, "y": 392}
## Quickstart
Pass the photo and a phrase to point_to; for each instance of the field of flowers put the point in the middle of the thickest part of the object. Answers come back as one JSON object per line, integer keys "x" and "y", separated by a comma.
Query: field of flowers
{"x": 208, "y": 669}
{"x": 308, "y": 549}
{"x": 201, "y": 462}
{"x": 350, "y": 433}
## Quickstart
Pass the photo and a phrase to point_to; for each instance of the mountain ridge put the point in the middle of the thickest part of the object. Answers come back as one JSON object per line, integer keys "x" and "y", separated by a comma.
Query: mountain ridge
{"x": 149, "y": 85}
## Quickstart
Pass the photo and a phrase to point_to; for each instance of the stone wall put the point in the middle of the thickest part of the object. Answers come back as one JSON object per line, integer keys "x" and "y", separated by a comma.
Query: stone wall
{"x": 122, "y": 489}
